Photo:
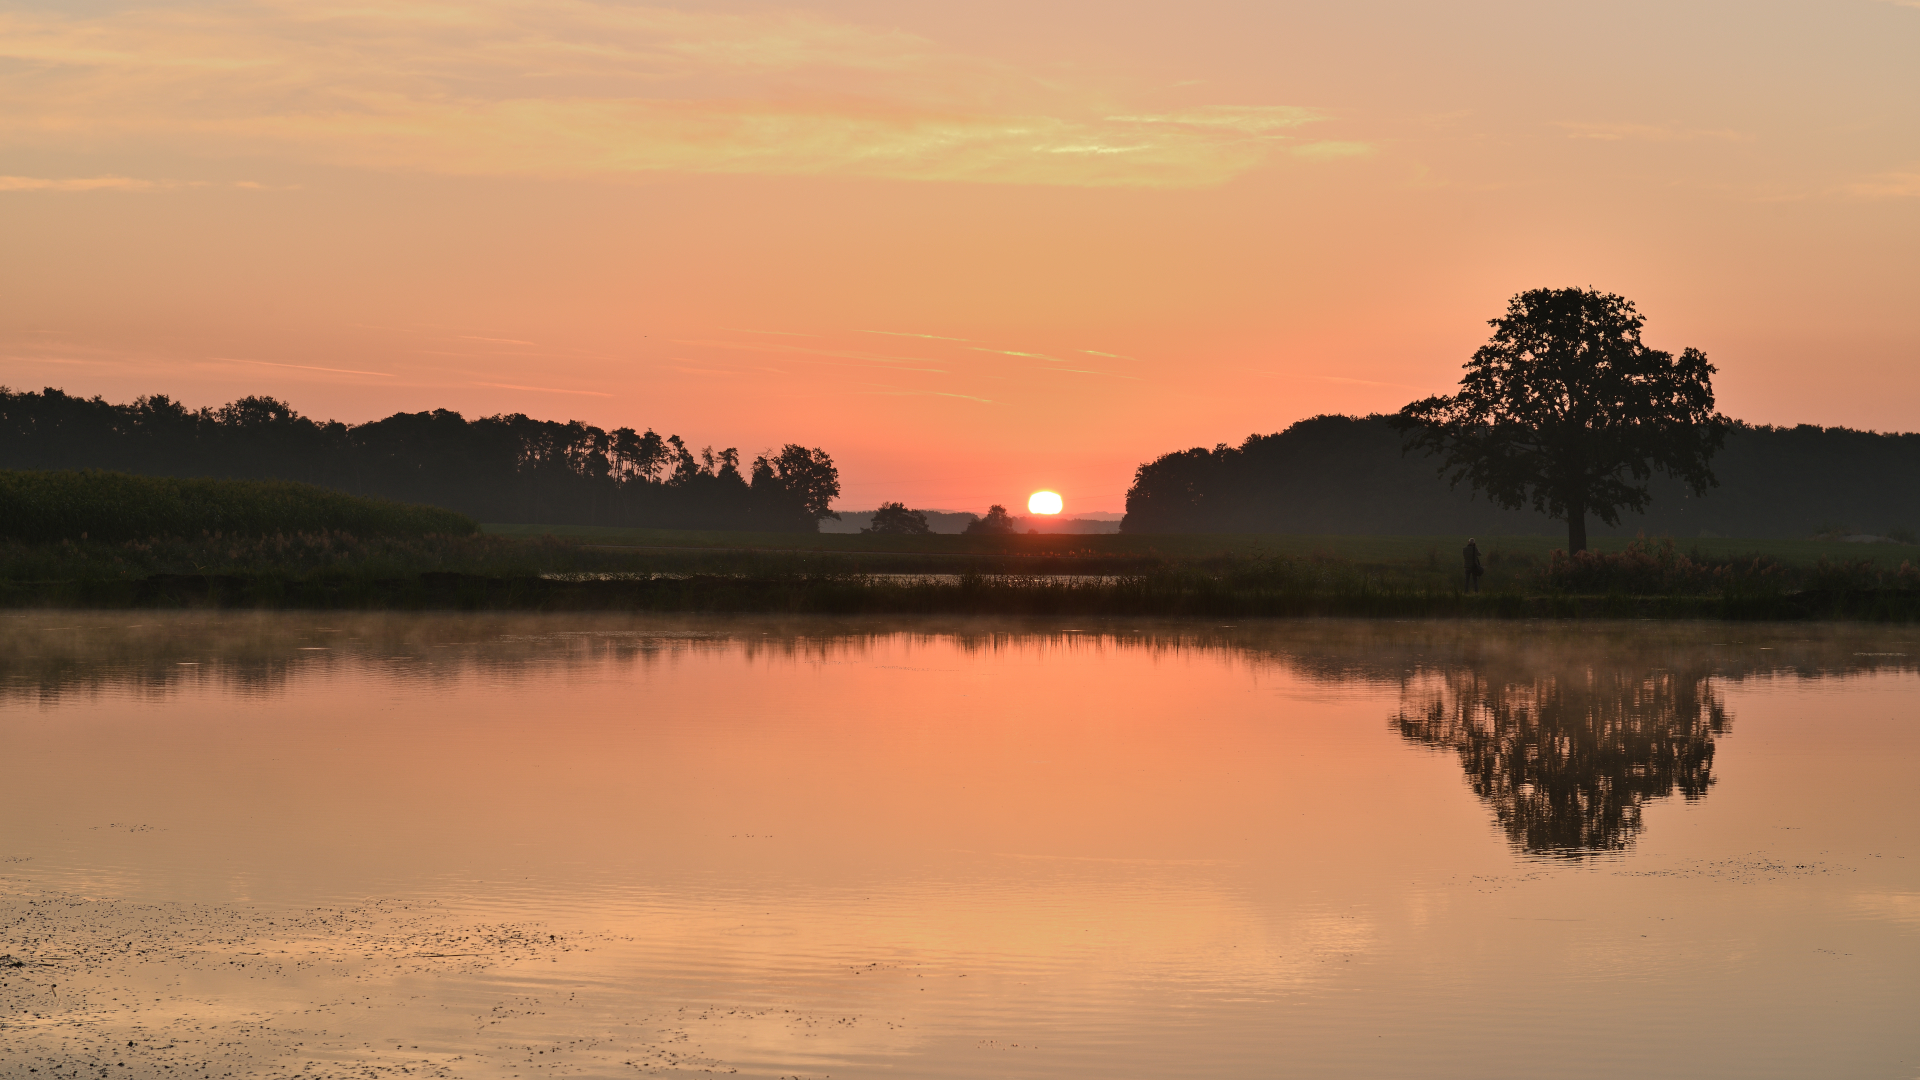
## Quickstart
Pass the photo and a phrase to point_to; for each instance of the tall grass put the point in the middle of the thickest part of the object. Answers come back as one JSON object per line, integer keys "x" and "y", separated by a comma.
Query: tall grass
{"x": 1646, "y": 568}
{"x": 107, "y": 506}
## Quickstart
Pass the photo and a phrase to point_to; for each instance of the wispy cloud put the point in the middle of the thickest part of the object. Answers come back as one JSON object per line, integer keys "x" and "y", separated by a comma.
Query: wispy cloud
{"x": 805, "y": 355}
{"x": 902, "y": 333}
{"x": 116, "y": 185}
{"x": 1886, "y": 185}
{"x": 1662, "y": 133}
{"x": 304, "y": 367}
{"x": 1016, "y": 352}
{"x": 1089, "y": 371}
{"x": 927, "y": 393}
{"x": 543, "y": 389}
{"x": 1245, "y": 119}
{"x": 578, "y": 88}
{"x": 1329, "y": 149}
{"x": 1108, "y": 355}
{"x": 93, "y": 183}
{"x": 1373, "y": 382}
{"x": 702, "y": 370}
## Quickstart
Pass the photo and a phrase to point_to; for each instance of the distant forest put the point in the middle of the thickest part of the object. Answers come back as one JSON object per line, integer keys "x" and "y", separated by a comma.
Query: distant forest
{"x": 508, "y": 468}
{"x": 1346, "y": 475}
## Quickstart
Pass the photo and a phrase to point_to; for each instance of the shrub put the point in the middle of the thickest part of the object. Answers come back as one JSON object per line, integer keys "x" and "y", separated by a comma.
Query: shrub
{"x": 1643, "y": 569}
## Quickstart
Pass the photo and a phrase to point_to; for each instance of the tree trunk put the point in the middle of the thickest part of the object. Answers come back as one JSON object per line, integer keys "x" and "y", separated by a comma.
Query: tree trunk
{"x": 1576, "y": 529}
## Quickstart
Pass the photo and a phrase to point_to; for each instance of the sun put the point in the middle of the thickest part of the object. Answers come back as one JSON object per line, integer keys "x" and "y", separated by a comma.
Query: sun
{"x": 1044, "y": 502}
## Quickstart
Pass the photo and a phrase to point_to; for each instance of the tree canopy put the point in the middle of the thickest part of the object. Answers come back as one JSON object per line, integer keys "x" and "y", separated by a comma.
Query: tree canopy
{"x": 1566, "y": 410}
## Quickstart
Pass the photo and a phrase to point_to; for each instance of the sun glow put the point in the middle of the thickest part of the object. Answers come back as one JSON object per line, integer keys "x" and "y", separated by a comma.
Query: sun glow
{"x": 1044, "y": 502}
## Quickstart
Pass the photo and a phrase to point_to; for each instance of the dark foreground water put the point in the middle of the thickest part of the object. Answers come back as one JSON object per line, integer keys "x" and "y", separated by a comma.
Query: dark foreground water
{"x": 297, "y": 845}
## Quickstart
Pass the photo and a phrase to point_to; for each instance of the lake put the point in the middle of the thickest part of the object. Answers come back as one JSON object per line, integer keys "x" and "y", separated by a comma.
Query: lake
{"x": 474, "y": 846}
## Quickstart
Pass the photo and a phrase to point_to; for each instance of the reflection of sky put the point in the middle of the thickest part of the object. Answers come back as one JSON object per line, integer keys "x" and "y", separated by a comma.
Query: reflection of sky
{"x": 1170, "y": 850}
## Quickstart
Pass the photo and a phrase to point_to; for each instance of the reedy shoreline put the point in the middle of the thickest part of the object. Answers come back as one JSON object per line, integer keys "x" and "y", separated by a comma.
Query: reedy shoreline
{"x": 1149, "y": 595}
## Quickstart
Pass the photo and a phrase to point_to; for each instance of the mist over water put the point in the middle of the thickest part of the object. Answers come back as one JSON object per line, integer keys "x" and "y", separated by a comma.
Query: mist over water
{"x": 567, "y": 845}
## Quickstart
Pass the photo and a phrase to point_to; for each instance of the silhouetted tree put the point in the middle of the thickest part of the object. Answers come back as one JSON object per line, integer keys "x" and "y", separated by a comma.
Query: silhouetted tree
{"x": 893, "y": 517}
{"x": 797, "y": 485}
{"x": 1566, "y": 410}
{"x": 996, "y": 521}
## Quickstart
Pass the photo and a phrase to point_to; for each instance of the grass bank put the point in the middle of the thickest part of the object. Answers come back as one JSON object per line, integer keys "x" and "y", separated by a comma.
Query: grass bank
{"x": 1162, "y": 595}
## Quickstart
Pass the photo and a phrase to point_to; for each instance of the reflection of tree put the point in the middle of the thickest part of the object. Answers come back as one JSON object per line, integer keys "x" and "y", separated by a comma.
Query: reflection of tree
{"x": 1567, "y": 759}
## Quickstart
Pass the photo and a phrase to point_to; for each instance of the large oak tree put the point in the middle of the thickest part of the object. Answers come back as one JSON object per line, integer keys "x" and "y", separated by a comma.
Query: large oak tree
{"x": 1564, "y": 409}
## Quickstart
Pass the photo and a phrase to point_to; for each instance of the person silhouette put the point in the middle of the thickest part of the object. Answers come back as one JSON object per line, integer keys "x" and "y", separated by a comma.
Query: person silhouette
{"x": 1474, "y": 569}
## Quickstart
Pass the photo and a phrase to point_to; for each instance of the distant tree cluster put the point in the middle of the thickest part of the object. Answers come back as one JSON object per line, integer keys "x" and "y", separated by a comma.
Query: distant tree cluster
{"x": 997, "y": 522}
{"x": 895, "y": 518}
{"x": 508, "y": 468}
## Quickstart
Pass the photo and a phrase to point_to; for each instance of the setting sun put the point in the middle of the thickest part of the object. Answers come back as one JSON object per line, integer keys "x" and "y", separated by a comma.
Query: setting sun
{"x": 1044, "y": 502}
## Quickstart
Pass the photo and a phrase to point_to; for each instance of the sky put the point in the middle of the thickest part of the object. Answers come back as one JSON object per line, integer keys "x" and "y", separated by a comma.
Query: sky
{"x": 972, "y": 250}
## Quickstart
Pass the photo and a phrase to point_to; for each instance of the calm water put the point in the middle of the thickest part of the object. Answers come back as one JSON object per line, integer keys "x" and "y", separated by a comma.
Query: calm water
{"x": 460, "y": 846}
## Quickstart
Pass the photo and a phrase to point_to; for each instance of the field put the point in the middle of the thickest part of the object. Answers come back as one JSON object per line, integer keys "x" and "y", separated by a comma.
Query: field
{"x": 90, "y": 504}
{"x": 522, "y": 567}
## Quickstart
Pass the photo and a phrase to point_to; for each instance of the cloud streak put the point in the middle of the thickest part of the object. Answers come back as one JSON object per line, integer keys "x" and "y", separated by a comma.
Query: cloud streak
{"x": 569, "y": 88}
{"x": 928, "y": 393}
{"x": 1657, "y": 133}
{"x": 1887, "y": 185}
{"x": 1016, "y": 352}
{"x": 543, "y": 389}
{"x": 305, "y": 367}
{"x": 95, "y": 183}
{"x": 902, "y": 333}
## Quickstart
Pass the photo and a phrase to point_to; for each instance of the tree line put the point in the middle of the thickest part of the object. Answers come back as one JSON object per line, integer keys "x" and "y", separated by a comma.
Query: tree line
{"x": 508, "y": 468}
{"x": 1346, "y": 475}
{"x": 1563, "y": 415}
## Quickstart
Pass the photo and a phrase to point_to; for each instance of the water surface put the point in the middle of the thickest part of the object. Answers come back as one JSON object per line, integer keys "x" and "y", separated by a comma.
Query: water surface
{"x": 480, "y": 847}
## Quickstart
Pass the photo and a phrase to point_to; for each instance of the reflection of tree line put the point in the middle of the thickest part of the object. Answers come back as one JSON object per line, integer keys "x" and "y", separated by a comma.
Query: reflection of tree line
{"x": 45, "y": 659}
{"x": 1568, "y": 758}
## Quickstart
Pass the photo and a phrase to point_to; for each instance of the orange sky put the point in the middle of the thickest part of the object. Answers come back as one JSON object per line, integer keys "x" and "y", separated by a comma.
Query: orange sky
{"x": 972, "y": 250}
